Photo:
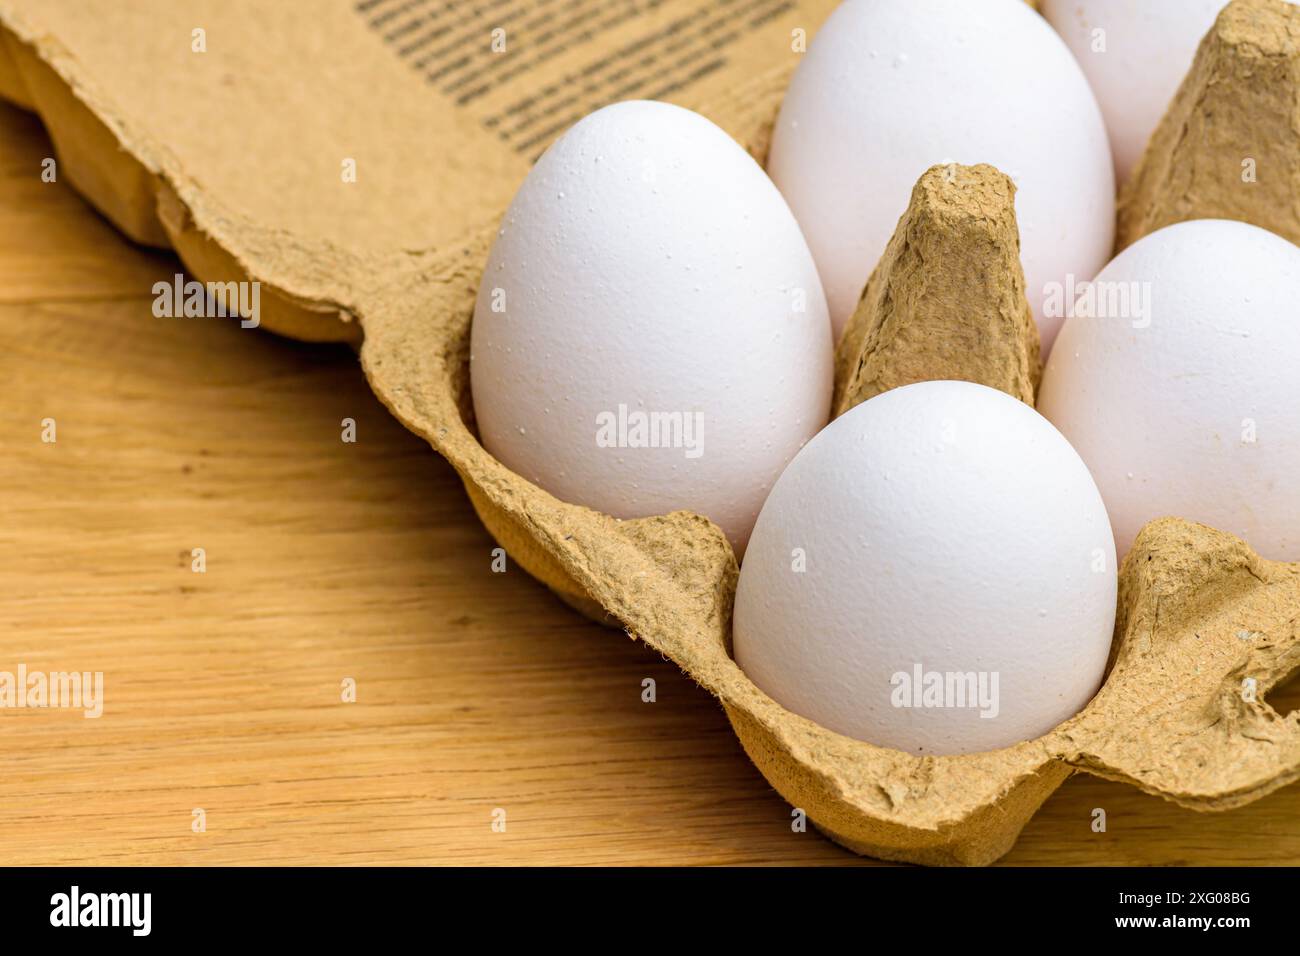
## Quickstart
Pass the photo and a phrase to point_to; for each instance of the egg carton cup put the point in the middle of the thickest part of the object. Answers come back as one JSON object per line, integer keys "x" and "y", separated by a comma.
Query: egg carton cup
{"x": 1205, "y": 628}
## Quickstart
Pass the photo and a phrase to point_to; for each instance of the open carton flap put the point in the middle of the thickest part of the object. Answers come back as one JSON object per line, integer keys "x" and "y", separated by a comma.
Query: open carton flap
{"x": 327, "y": 147}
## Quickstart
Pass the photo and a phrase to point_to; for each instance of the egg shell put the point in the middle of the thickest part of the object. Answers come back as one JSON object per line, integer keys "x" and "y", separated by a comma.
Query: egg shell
{"x": 1135, "y": 55}
{"x": 887, "y": 90}
{"x": 1191, "y": 406}
{"x": 648, "y": 266}
{"x": 942, "y": 525}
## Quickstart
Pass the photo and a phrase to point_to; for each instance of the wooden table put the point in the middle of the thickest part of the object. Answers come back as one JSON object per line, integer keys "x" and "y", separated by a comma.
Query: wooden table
{"x": 326, "y": 561}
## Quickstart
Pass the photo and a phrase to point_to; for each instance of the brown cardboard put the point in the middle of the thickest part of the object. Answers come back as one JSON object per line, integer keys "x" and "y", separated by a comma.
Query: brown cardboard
{"x": 1199, "y": 613}
{"x": 1229, "y": 146}
{"x": 947, "y": 300}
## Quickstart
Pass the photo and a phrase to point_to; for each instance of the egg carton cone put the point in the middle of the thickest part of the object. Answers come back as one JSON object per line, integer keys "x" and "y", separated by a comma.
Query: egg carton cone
{"x": 1229, "y": 145}
{"x": 1205, "y": 628}
{"x": 947, "y": 300}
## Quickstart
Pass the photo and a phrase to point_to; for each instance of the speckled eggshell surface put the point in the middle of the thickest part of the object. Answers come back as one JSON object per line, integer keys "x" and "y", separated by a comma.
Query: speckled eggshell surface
{"x": 943, "y": 526}
{"x": 1190, "y": 407}
{"x": 650, "y": 332}
{"x": 889, "y": 89}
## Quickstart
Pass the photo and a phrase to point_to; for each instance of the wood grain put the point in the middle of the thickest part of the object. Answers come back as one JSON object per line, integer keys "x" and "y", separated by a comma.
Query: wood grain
{"x": 329, "y": 560}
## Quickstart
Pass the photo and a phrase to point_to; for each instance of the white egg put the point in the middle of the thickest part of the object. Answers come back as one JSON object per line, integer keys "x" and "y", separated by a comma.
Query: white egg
{"x": 889, "y": 89}
{"x": 934, "y": 572}
{"x": 1178, "y": 381}
{"x": 1135, "y": 54}
{"x": 650, "y": 332}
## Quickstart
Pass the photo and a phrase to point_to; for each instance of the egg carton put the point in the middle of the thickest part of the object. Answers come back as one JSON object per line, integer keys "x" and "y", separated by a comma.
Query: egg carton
{"x": 1205, "y": 627}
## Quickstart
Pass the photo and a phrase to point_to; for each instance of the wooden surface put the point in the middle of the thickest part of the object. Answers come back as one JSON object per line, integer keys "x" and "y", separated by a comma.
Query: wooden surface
{"x": 326, "y": 561}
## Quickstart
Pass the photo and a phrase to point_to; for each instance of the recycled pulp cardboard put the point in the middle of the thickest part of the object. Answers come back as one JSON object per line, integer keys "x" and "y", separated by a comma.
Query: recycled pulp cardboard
{"x": 354, "y": 158}
{"x": 947, "y": 300}
{"x": 1229, "y": 146}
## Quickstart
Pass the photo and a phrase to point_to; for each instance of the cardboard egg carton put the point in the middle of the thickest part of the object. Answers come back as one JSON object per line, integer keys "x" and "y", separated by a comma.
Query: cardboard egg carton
{"x": 1205, "y": 628}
